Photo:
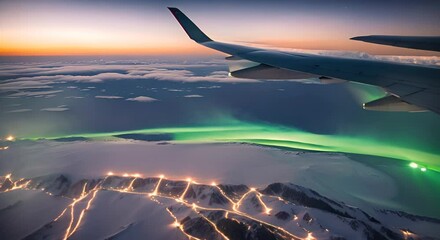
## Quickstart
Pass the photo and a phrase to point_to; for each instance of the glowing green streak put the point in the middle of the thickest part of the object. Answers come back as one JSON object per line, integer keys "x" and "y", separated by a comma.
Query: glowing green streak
{"x": 291, "y": 138}
{"x": 272, "y": 135}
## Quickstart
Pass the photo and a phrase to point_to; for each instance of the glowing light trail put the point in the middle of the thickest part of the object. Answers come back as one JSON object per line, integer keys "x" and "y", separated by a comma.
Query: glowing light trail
{"x": 266, "y": 209}
{"x": 72, "y": 212}
{"x": 215, "y": 227}
{"x": 186, "y": 189}
{"x": 130, "y": 186}
{"x": 180, "y": 226}
{"x": 91, "y": 195}
{"x": 237, "y": 204}
{"x": 156, "y": 189}
{"x": 89, "y": 203}
{"x": 310, "y": 237}
{"x": 73, "y": 225}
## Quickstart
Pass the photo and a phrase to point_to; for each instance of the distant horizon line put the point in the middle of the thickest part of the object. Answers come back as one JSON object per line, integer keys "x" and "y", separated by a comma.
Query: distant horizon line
{"x": 116, "y": 55}
{"x": 185, "y": 54}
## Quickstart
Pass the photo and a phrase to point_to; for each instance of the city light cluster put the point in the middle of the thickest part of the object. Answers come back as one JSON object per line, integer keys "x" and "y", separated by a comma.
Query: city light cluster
{"x": 8, "y": 138}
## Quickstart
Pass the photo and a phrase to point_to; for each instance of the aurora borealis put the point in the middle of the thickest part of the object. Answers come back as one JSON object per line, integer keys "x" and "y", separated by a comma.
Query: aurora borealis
{"x": 277, "y": 136}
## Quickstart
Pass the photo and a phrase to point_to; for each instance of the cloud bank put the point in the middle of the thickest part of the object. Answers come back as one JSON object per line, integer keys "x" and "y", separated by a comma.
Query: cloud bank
{"x": 193, "y": 96}
{"x": 20, "y": 78}
{"x": 60, "y": 108}
{"x": 109, "y": 97}
{"x": 20, "y": 110}
{"x": 32, "y": 80}
{"x": 142, "y": 99}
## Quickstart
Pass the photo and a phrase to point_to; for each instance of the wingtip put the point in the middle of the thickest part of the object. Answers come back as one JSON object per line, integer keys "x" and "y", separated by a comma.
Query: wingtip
{"x": 190, "y": 28}
{"x": 362, "y": 38}
{"x": 358, "y": 38}
{"x": 173, "y": 10}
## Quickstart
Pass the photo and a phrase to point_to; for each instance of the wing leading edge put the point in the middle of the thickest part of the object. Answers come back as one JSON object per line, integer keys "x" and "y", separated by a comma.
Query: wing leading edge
{"x": 411, "y": 84}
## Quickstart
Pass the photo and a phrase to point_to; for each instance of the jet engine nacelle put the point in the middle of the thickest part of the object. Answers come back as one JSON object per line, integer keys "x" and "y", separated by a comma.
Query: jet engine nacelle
{"x": 392, "y": 103}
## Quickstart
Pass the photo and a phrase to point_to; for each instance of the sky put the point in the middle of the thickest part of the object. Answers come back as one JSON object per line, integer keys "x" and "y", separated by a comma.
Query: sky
{"x": 117, "y": 27}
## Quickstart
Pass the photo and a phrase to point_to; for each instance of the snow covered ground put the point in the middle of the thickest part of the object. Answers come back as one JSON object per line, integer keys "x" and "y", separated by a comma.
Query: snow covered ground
{"x": 111, "y": 189}
{"x": 334, "y": 175}
{"x": 133, "y": 207}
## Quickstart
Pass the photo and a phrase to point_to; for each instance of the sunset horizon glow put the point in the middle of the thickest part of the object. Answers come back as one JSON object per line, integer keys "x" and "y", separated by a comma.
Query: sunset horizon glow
{"x": 58, "y": 28}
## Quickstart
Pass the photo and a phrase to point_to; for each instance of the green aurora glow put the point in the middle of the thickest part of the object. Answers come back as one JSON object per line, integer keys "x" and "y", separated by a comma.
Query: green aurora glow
{"x": 279, "y": 136}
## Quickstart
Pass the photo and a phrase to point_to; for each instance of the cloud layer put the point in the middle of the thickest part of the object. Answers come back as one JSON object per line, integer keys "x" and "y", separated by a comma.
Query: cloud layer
{"x": 142, "y": 99}
{"x": 193, "y": 96}
{"x": 45, "y": 81}
{"x": 19, "y": 79}
{"x": 109, "y": 97}
{"x": 60, "y": 108}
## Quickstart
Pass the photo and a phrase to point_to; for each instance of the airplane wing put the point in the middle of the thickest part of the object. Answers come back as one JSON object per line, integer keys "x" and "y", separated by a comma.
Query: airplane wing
{"x": 410, "y": 87}
{"x": 430, "y": 43}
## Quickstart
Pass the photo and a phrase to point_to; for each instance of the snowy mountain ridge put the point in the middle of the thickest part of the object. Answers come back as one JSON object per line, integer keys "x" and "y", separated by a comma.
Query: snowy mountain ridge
{"x": 129, "y": 206}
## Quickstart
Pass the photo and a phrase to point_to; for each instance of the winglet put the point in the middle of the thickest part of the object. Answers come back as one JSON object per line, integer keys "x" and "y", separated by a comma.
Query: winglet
{"x": 190, "y": 28}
